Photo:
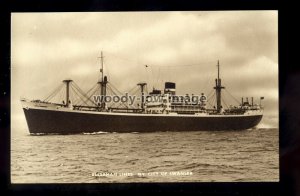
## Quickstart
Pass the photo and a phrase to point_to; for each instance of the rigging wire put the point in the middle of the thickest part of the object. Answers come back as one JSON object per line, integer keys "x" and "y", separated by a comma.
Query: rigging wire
{"x": 233, "y": 96}
{"x": 112, "y": 91}
{"x": 131, "y": 90}
{"x": 81, "y": 94}
{"x": 153, "y": 83}
{"x": 146, "y": 71}
{"x": 155, "y": 65}
{"x": 77, "y": 93}
{"x": 109, "y": 88}
{"x": 166, "y": 66}
{"x": 91, "y": 89}
{"x": 93, "y": 93}
{"x": 210, "y": 101}
{"x": 48, "y": 98}
{"x": 120, "y": 93}
{"x": 224, "y": 103}
{"x": 126, "y": 106}
{"x": 136, "y": 91}
{"x": 114, "y": 94}
{"x": 210, "y": 93}
{"x": 78, "y": 88}
{"x": 61, "y": 95}
{"x": 115, "y": 103}
{"x": 122, "y": 58}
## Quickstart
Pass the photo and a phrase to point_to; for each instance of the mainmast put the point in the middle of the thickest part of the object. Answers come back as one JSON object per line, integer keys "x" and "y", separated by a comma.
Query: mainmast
{"x": 101, "y": 70}
{"x": 218, "y": 88}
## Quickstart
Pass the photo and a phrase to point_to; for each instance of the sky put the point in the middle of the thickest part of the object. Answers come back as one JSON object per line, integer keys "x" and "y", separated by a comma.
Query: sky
{"x": 180, "y": 47}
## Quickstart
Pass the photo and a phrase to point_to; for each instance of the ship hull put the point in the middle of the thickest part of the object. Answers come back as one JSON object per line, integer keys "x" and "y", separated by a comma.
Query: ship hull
{"x": 72, "y": 122}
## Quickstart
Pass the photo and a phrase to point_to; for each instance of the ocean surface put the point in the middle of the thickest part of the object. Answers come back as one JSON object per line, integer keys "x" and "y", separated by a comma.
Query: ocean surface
{"x": 206, "y": 156}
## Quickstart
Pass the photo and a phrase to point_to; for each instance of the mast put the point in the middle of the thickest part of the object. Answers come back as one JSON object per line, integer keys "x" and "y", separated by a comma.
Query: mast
{"x": 218, "y": 88}
{"x": 102, "y": 81}
{"x": 101, "y": 66}
{"x": 101, "y": 74}
{"x": 142, "y": 85}
{"x": 67, "y": 91}
{"x": 218, "y": 70}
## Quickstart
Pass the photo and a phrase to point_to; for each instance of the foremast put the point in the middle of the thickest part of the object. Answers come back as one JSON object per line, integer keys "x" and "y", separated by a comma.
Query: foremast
{"x": 102, "y": 82}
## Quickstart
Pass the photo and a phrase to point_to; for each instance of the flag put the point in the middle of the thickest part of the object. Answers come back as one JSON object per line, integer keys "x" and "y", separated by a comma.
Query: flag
{"x": 262, "y": 97}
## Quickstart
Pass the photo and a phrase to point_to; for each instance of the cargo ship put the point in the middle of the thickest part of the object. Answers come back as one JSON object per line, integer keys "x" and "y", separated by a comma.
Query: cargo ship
{"x": 158, "y": 110}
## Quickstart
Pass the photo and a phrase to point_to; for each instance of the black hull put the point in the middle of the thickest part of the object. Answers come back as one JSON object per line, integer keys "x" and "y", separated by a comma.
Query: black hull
{"x": 62, "y": 122}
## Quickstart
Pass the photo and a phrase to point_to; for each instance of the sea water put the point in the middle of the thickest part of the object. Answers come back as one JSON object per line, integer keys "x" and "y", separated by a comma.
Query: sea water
{"x": 203, "y": 156}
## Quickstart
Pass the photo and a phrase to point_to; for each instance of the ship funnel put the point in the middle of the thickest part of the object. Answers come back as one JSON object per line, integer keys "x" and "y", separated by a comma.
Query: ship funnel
{"x": 170, "y": 88}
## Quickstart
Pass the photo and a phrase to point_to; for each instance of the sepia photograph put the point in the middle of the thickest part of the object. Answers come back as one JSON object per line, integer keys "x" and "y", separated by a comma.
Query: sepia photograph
{"x": 134, "y": 97}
